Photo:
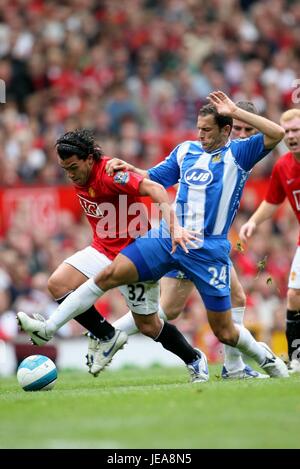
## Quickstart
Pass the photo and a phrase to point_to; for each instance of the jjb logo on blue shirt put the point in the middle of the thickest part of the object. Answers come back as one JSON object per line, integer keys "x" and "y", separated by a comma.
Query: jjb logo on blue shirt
{"x": 209, "y": 180}
{"x": 198, "y": 177}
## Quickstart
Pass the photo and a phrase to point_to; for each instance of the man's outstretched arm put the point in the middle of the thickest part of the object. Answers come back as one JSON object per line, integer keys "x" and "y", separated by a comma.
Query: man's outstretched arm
{"x": 272, "y": 132}
{"x": 264, "y": 212}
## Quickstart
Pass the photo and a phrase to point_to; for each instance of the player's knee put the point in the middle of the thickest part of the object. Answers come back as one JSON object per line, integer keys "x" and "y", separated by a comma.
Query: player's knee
{"x": 150, "y": 325}
{"x": 108, "y": 278}
{"x": 225, "y": 335}
{"x": 171, "y": 311}
{"x": 147, "y": 329}
{"x": 55, "y": 287}
{"x": 238, "y": 298}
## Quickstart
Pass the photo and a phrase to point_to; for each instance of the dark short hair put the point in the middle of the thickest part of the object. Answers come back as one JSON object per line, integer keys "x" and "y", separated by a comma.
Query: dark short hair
{"x": 247, "y": 106}
{"x": 79, "y": 142}
{"x": 221, "y": 121}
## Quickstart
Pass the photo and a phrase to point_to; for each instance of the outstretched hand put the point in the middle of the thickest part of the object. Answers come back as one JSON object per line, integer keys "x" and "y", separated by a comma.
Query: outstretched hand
{"x": 247, "y": 230}
{"x": 224, "y": 105}
{"x": 116, "y": 164}
{"x": 181, "y": 237}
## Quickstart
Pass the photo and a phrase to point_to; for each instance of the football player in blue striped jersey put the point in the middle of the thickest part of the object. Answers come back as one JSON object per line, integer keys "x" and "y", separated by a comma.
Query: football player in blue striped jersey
{"x": 176, "y": 286}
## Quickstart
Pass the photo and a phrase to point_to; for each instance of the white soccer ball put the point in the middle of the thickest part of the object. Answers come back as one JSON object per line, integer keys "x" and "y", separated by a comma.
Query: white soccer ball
{"x": 37, "y": 373}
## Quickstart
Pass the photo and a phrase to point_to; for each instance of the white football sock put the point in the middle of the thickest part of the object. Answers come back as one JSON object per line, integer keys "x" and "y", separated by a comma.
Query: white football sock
{"x": 76, "y": 303}
{"x": 162, "y": 314}
{"x": 248, "y": 345}
{"x": 233, "y": 360}
{"x": 126, "y": 323}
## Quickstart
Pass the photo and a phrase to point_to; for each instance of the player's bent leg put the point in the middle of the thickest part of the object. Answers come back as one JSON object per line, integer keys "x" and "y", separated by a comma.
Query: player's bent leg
{"x": 167, "y": 334}
{"x": 174, "y": 293}
{"x": 82, "y": 299}
{"x": 238, "y": 296}
{"x": 72, "y": 273}
{"x": 76, "y": 303}
{"x": 222, "y": 326}
{"x": 234, "y": 366}
{"x": 141, "y": 297}
{"x": 246, "y": 343}
{"x": 65, "y": 279}
{"x": 195, "y": 360}
{"x": 262, "y": 354}
{"x": 142, "y": 305}
{"x": 172, "y": 340}
{"x": 120, "y": 272}
{"x": 149, "y": 325}
{"x": 102, "y": 352}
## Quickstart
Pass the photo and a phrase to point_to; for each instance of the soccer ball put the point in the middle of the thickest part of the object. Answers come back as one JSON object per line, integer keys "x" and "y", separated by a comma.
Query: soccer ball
{"x": 37, "y": 373}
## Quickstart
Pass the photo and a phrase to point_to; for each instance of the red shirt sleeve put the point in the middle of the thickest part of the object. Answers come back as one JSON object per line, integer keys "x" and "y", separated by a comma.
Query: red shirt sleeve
{"x": 275, "y": 192}
{"x": 125, "y": 182}
{"x": 122, "y": 182}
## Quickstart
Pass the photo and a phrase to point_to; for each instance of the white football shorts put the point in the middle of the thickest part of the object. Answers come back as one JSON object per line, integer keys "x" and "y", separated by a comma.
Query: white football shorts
{"x": 141, "y": 298}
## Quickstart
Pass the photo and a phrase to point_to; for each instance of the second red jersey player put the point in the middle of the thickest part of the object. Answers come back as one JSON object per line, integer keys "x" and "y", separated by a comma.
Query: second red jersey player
{"x": 285, "y": 182}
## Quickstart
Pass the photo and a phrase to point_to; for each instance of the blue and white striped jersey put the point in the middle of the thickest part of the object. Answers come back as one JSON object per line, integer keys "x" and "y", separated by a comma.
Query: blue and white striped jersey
{"x": 210, "y": 184}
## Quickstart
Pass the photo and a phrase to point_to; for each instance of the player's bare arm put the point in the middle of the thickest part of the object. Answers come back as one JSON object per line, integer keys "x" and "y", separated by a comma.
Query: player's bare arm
{"x": 180, "y": 236}
{"x": 264, "y": 212}
{"x": 273, "y": 133}
{"x": 116, "y": 164}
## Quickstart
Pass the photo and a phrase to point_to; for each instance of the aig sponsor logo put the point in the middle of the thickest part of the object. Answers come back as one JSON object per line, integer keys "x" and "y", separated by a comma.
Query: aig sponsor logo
{"x": 198, "y": 177}
{"x": 90, "y": 208}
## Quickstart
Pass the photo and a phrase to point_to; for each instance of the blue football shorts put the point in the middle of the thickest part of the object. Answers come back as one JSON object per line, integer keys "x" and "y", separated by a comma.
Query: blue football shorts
{"x": 178, "y": 274}
{"x": 207, "y": 267}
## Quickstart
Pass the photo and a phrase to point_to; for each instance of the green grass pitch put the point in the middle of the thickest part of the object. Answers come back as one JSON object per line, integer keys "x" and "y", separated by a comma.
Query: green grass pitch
{"x": 154, "y": 408}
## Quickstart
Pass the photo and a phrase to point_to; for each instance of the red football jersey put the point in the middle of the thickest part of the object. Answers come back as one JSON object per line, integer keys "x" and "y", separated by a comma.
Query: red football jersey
{"x": 108, "y": 202}
{"x": 285, "y": 182}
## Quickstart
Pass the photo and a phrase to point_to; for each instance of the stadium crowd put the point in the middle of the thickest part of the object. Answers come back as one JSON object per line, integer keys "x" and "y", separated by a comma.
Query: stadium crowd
{"x": 136, "y": 72}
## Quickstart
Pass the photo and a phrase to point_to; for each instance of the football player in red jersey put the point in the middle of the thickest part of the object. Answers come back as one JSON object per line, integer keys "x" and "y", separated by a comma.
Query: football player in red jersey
{"x": 285, "y": 182}
{"x": 108, "y": 201}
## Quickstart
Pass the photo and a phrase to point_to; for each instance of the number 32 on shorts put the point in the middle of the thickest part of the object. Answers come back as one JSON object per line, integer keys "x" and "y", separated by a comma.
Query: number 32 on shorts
{"x": 136, "y": 292}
